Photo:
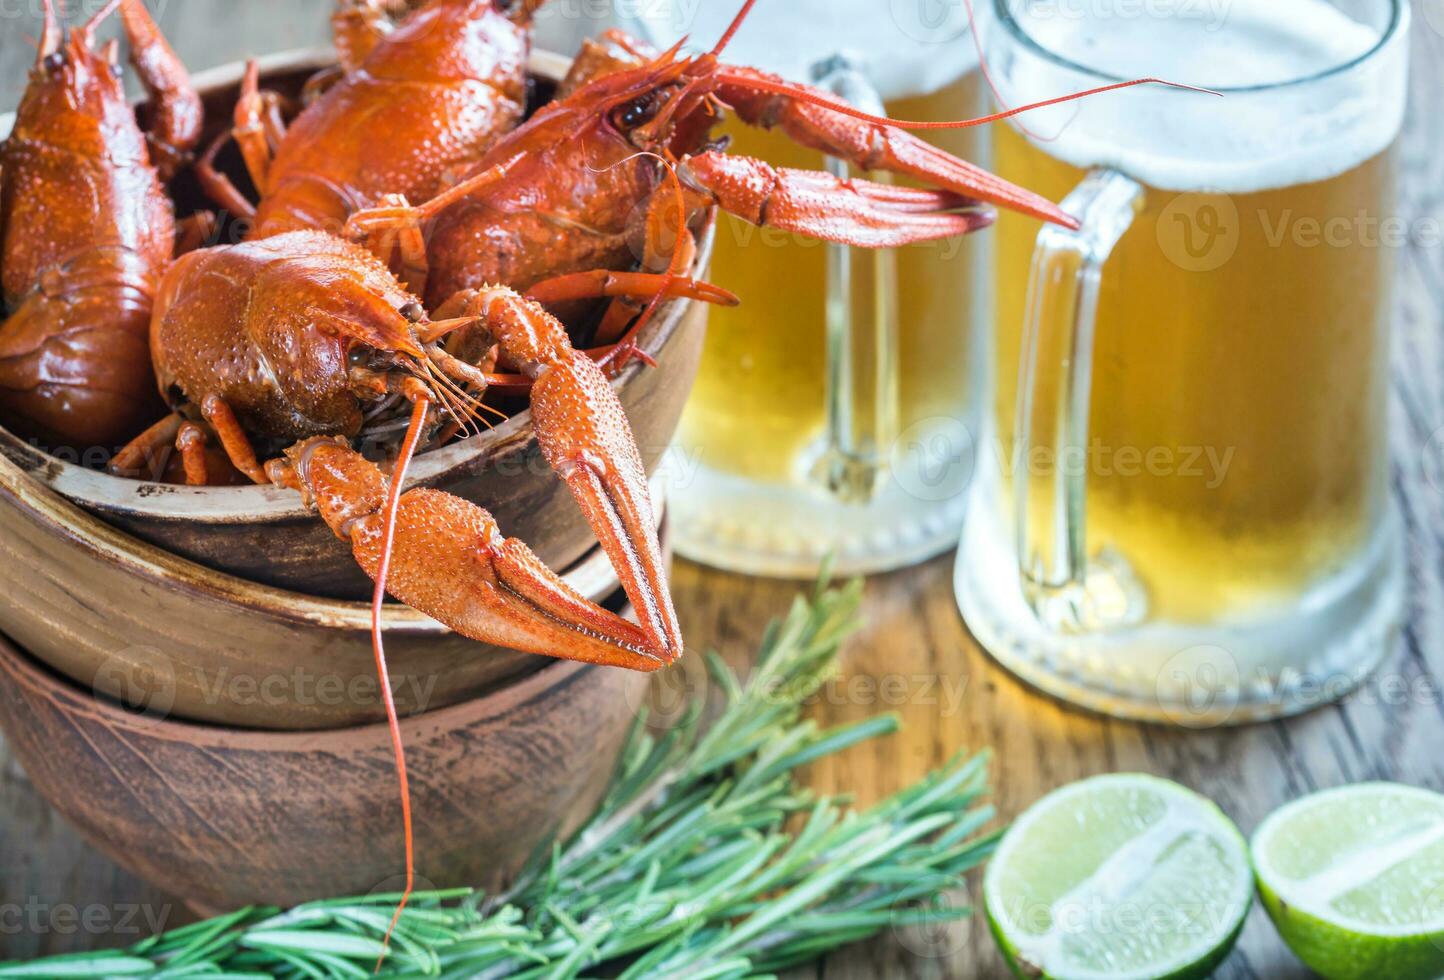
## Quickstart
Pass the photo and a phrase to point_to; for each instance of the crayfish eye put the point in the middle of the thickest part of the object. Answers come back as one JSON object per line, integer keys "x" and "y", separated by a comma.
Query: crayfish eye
{"x": 413, "y": 312}
{"x": 635, "y": 113}
{"x": 54, "y": 61}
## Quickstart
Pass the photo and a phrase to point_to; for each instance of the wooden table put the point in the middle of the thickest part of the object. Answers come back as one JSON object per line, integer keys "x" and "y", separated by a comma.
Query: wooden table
{"x": 915, "y": 657}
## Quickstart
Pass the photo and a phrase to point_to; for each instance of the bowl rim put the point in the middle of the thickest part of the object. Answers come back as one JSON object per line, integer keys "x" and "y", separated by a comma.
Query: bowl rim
{"x": 60, "y": 517}
{"x": 259, "y": 504}
{"x": 68, "y": 699}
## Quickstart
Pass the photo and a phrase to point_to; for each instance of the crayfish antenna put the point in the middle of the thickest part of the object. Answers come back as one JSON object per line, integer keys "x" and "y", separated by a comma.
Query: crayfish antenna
{"x": 763, "y": 99}
{"x": 83, "y": 32}
{"x": 49, "y": 36}
{"x": 419, "y": 410}
{"x": 732, "y": 28}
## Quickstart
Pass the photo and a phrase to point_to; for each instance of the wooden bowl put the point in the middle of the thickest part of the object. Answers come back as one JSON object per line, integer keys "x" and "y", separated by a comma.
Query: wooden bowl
{"x": 264, "y": 534}
{"x": 135, "y": 623}
{"x": 227, "y": 818}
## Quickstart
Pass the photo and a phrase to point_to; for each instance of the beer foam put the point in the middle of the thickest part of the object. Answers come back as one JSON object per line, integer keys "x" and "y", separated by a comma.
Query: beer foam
{"x": 904, "y": 47}
{"x": 1182, "y": 141}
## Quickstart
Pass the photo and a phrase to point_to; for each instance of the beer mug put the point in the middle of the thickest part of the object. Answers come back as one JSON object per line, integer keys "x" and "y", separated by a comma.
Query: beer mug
{"x": 1183, "y": 513}
{"x": 835, "y": 410}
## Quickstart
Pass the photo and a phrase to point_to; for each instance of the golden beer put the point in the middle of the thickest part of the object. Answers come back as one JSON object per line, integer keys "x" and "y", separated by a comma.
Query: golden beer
{"x": 1237, "y": 412}
{"x": 1182, "y": 512}
{"x": 759, "y": 401}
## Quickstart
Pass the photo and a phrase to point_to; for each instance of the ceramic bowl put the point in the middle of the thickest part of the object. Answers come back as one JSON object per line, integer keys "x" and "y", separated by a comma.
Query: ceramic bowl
{"x": 132, "y": 622}
{"x": 225, "y": 818}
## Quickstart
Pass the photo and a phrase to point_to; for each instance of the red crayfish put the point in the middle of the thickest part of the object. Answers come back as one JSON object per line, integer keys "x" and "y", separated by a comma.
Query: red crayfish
{"x": 87, "y": 231}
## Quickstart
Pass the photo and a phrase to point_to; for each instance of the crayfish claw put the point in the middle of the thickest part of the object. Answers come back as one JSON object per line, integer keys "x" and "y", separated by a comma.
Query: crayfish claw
{"x": 585, "y": 437}
{"x": 450, "y": 561}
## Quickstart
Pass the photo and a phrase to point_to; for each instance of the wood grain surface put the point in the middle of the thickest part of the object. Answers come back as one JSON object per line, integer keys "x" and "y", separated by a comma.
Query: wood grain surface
{"x": 915, "y": 657}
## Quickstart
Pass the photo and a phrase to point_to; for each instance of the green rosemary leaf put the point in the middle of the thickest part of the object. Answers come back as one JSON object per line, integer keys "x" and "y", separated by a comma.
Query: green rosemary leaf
{"x": 336, "y": 943}
{"x": 80, "y": 965}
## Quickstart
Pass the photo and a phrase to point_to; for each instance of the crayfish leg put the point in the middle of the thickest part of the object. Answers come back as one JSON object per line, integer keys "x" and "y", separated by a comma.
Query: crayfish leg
{"x": 667, "y": 245}
{"x": 396, "y": 219}
{"x": 257, "y": 127}
{"x": 218, "y": 187}
{"x": 190, "y": 441}
{"x": 856, "y": 212}
{"x": 605, "y": 284}
{"x": 177, "y": 115}
{"x": 148, "y": 453}
{"x": 233, "y": 438}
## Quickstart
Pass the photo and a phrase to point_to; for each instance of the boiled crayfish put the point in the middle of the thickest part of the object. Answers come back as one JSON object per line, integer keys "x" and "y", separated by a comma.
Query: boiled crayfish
{"x": 87, "y": 231}
{"x": 303, "y": 335}
{"x": 615, "y": 171}
{"x": 416, "y": 104}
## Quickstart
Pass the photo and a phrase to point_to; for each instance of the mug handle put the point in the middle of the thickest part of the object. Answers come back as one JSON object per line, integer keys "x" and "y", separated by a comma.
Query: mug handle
{"x": 862, "y": 341}
{"x": 1051, "y": 416}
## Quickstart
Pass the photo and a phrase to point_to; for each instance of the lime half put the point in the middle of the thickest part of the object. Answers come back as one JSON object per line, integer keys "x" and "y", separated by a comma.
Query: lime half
{"x": 1120, "y": 877}
{"x": 1354, "y": 880}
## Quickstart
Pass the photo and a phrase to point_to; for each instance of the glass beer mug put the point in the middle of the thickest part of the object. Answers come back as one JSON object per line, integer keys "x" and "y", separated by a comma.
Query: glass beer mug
{"x": 1183, "y": 510}
{"x": 835, "y": 410}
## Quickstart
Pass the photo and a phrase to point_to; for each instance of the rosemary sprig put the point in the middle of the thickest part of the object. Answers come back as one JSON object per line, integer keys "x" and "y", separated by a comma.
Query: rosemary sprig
{"x": 706, "y": 860}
